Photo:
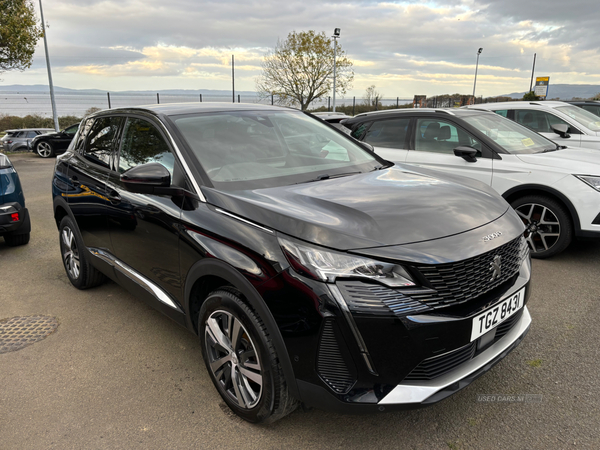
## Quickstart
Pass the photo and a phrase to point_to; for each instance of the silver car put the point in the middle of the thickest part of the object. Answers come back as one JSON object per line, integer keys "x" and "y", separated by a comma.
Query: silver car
{"x": 20, "y": 140}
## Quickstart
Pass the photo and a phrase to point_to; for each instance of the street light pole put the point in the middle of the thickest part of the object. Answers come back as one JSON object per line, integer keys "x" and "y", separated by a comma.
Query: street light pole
{"x": 52, "y": 100}
{"x": 476, "y": 67}
{"x": 336, "y": 35}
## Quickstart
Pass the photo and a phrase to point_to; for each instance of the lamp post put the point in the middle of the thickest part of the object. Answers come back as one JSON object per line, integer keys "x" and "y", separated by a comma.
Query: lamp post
{"x": 336, "y": 35}
{"x": 51, "y": 85}
{"x": 476, "y": 66}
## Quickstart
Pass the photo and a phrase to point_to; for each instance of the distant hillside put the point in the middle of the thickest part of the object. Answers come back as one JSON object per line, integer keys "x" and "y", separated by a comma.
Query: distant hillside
{"x": 44, "y": 88}
{"x": 566, "y": 91}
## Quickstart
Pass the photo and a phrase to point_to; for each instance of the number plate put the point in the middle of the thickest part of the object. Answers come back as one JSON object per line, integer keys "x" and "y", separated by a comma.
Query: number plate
{"x": 493, "y": 317}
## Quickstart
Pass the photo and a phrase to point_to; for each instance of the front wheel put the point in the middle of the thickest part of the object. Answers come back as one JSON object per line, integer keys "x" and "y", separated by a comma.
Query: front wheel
{"x": 44, "y": 149}
{"x": 241, "y": 359}
{"x": 548, "y": 225}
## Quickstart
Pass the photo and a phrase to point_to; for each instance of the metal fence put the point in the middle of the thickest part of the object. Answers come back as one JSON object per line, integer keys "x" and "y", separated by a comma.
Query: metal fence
{"x": 23, "y": 103}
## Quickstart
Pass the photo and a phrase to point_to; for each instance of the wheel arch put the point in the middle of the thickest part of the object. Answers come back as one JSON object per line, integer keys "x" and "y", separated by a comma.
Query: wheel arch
{"x": 209, "y": 274}
{"x": 533, "y": 189}
{"x": 61, "y": 209}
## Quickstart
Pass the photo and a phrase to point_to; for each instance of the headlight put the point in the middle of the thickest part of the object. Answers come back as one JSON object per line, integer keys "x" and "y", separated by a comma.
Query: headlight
{"x": 326, "y": 265}
{"x": 590, "y": 180}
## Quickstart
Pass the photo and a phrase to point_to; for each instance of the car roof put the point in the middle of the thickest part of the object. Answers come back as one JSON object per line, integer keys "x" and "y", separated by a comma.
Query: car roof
{"x": 27, "y": 129}
{"x": 173, "y": 109}
{"x": 396, "y": 112}
{"x": 518, "y": 104}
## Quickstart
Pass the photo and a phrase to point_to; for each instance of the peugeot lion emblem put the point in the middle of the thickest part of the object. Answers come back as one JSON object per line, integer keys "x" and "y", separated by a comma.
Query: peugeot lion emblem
{"x": 495, "y": 267}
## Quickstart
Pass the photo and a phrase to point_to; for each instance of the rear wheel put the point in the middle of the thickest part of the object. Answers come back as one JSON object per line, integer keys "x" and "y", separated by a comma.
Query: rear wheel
{"x": 548, "y": 225}
{"x": 241, "y": 359}
{"x": 44, "y": 149}
{"x": 75, "y": 258}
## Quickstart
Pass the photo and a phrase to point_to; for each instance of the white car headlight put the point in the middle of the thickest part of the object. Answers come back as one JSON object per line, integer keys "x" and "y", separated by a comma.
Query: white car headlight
{"x": 327, "y": 265}
{"x": 590, "y": 180}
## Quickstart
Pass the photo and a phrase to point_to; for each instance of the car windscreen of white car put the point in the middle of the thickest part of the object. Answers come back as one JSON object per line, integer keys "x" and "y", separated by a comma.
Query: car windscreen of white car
{"x": 511, "y": 136}
{"x": 258, "y": 149}
{"x": 585, "y": 118}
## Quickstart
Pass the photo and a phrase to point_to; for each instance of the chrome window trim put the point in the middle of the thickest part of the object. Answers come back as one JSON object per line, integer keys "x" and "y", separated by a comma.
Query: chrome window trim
{"x": 241, "y": 219}
{"x": 183, "y": 162}
{"x": 418, "y": 392}
{"x": 135, "y": 276}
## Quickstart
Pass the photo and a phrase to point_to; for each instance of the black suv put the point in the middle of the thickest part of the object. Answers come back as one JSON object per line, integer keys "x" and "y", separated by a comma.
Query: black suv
{"x": 311, "y": 269}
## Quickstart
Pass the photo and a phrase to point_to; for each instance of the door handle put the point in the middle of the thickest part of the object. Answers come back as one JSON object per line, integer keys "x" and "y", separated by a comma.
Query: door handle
{"x": 114, "y": 197}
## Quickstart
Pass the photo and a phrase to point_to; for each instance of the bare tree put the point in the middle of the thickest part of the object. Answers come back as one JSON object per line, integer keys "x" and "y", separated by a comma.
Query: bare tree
{"x": 372, "y": 97}
{"x": 299, "y": 70}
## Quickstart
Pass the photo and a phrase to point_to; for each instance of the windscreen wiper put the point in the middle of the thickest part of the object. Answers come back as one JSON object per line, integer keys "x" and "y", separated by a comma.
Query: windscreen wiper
{"x": 326, "y": 176}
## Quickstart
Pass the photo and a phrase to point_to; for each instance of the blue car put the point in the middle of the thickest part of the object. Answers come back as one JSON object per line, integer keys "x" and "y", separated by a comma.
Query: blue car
{"x": 15, "y": 226}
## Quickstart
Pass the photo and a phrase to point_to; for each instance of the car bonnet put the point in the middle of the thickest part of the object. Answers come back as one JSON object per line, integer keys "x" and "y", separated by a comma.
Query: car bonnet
{"x": 387, "y": 207}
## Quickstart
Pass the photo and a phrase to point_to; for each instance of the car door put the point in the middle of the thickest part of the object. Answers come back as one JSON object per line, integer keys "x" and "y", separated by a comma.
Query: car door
{"x": 144, "y": 228}
{"x": 87, "y": 174}
{"x": 390, "y": 138}
{"x": 434, "y": 143}
{"x": 542, "y": 121}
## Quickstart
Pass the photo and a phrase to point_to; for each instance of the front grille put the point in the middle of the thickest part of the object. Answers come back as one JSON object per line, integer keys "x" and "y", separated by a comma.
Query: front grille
{"x": 437, "y": 366}
{"x": 458, "y": 282}
{"x": 377, "y": 300}
{"x": 431, "y": 368}
{"x": 331, "y": 366}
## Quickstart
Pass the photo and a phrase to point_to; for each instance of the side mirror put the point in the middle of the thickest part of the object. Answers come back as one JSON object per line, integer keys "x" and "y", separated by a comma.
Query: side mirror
{"x": 369, "y": 146}
{"x": 150, "y": 178}
{"x": 467, "y": 153}
{"x": 562, "y": 130}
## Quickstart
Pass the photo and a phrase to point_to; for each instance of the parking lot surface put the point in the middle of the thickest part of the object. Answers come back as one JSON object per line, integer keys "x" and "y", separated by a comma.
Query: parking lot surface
{"x": 117, "y": 374}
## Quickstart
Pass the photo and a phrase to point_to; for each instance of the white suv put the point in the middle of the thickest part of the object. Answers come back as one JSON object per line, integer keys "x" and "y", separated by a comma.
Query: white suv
{"x": 561, "y": 122}
{"x": 554, "y": 189}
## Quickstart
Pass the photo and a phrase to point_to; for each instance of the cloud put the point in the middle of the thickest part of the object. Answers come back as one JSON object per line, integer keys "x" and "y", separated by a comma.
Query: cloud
{"x": 405, "y": 46}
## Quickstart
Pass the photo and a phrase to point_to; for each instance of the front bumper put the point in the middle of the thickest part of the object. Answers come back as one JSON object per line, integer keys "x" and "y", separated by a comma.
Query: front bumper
{"x": 368, "y": 362}
{"x": 435, "y": 390}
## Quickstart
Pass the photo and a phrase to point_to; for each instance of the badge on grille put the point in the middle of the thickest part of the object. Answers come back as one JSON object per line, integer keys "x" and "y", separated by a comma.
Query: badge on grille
{"x": 495, "y": 267}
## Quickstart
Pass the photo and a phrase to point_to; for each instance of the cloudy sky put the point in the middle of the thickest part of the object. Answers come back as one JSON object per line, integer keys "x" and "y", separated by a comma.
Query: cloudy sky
{"x": 401, "y": 47}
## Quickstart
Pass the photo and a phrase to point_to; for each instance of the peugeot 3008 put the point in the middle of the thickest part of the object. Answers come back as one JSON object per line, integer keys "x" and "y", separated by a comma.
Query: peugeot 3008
{"x": 311, "y": 269}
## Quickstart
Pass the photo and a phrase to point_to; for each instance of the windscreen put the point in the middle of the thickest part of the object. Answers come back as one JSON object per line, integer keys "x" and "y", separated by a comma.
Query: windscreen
{"x": 257, "y": 149}
{"x": 585, "y": 118}
{"x": 511, "y": 136}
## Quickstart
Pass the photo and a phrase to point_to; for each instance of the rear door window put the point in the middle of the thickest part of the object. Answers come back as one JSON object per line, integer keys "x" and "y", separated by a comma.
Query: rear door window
{"x": 391, "y": 133}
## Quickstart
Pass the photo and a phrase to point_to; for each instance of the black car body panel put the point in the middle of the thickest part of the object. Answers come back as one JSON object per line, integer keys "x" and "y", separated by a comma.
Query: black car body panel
{"x": 174, "y": 249}
{"x": 362, "y": 211}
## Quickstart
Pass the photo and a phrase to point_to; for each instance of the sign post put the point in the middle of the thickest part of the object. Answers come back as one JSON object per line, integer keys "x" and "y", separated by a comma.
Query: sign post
{"x": 541, "y": 87}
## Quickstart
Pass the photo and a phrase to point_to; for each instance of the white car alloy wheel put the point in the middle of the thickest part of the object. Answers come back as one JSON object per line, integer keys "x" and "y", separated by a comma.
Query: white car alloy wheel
{"x": 44, "y": 149}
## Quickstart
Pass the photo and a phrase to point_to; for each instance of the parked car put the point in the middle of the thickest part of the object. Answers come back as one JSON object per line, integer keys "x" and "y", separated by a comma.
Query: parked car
{"x": 592, "y": 106}
{"x": 554, "y": 189}
{"x": 50, "y": 144}
{"x": 558, "y": 121}
{"x": 19, "y": 140}
{"x": 15, "y": 224}
{"x": 334, "y": 118}
{"x": 311, "y": 269}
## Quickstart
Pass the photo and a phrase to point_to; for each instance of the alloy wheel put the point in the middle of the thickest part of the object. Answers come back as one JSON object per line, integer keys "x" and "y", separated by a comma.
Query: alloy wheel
{"x": 233, "y": 359}
{"x": 44, "y": 149}
{"x": 70, "y": 253}
{"x": 542, "y": 226}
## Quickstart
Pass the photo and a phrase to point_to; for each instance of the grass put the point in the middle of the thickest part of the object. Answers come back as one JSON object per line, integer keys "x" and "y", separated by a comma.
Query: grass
{"x": 535, "y": 363}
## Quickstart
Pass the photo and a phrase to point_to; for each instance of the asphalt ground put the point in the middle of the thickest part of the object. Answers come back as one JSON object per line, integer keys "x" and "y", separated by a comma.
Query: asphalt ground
{"x": 116, "y": 374}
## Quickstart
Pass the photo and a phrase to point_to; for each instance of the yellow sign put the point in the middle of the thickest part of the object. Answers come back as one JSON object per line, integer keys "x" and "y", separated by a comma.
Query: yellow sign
{"x": 541, "y": 86}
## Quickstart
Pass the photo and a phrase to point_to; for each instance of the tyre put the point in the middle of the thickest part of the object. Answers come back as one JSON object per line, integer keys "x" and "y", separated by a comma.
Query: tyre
{"x": 16, "y": 239}
{"x": 549, "y": 229}
{"x": 44, "y": 149}
{"x": 75, "y": 258}
{"x": 241, "y": 359}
